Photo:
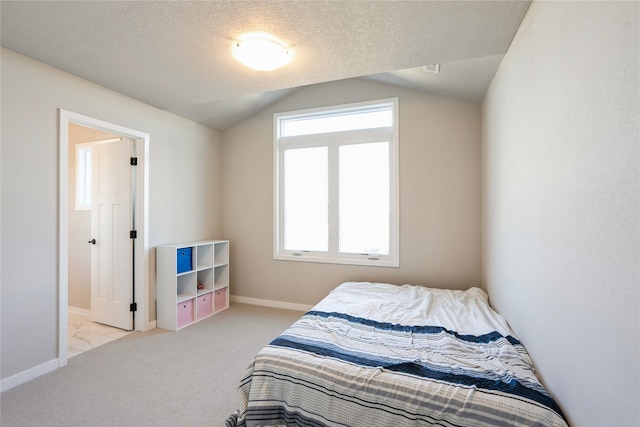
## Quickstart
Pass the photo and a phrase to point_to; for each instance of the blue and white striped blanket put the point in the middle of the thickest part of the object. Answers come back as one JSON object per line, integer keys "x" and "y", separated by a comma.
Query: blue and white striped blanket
{"x": 363, "y": 357}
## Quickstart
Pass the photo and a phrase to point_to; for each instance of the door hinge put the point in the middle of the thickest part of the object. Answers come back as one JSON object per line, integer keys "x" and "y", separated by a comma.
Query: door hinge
{"x": 134, "y": 161}
{"x": 133, "y": 234}
{"x": 133, "y": 307}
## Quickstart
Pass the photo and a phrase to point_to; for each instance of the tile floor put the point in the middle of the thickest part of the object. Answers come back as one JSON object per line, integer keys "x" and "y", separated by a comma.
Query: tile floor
{"x": 86, "y": 335}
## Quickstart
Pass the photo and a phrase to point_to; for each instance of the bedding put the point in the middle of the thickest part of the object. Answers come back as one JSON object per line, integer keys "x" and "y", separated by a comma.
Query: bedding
{"x": 374, "y": 354}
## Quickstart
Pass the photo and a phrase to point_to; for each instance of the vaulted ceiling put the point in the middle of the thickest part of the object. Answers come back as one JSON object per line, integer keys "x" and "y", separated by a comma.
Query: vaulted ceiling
{"x": 176, "y": 55}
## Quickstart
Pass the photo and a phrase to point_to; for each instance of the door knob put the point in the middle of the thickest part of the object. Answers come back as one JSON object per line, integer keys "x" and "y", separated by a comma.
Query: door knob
{"x": 92, "y": 241}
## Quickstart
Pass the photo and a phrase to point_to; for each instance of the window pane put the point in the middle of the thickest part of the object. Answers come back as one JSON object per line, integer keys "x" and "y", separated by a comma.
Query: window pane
{"x": 83, "y": 177}
{"x": 364, "y": 198}
{"x": 306, "y": 199}
{"x": 338, "y": 122}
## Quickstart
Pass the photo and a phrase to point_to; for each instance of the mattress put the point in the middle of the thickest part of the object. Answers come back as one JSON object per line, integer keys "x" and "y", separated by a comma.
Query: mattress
{"x": 375, "y": 354}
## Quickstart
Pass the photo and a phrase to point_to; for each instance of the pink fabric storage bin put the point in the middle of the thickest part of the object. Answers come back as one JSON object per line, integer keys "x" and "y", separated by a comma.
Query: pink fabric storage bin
{"x": 185, "y": 313}
{"x": 220, "y": 299}
{"x": 204, "y": 306}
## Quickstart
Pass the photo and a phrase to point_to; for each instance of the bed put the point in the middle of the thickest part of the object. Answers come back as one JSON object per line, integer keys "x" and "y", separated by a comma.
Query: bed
{"x": 375, "y": 354}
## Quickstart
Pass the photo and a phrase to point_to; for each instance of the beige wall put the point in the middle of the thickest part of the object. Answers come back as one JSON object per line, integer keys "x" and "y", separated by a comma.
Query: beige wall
{"x": 439, "y": 197}
{"x": 561, "y": 169}
{"x": 184, "y": 194}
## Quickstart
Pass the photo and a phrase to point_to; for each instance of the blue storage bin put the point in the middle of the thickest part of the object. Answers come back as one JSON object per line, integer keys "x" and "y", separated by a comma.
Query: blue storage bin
{"x": 184, "y": 259}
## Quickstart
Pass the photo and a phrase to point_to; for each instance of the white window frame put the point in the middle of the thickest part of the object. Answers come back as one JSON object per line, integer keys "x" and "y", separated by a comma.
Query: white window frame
{"x": 336, "y": 139}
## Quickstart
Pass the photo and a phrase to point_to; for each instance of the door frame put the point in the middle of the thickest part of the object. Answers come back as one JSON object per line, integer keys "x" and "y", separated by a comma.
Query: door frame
{"x": 141, "y": 251}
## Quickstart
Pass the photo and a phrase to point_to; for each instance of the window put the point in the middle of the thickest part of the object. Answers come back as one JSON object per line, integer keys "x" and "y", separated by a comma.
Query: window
{"x": 336, "y": 184}
{"x": 83, "y": 176}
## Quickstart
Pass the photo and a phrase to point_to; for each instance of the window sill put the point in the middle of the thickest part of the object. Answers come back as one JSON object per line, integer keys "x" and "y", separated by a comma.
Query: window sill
{"x": 382, "y": 262}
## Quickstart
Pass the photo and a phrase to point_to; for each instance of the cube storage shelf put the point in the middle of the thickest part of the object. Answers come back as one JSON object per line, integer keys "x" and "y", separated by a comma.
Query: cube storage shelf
{"x": 192, "y": 281}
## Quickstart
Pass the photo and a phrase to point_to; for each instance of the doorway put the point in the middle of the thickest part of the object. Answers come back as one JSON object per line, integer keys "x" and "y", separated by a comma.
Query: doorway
{"x": 93, "y": 318}
{"x": 69, "y": 123}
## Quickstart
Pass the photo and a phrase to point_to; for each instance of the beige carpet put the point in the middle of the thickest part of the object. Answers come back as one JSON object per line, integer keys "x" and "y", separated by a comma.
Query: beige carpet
{"x": 157, "y": 378}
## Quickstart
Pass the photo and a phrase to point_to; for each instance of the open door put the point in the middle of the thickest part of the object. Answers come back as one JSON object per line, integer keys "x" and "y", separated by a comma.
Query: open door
{"x": 111, "y": 224}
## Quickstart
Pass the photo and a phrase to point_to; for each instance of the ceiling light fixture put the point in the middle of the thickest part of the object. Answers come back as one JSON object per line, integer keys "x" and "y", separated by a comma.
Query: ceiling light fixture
{"x": 261, "y": 52}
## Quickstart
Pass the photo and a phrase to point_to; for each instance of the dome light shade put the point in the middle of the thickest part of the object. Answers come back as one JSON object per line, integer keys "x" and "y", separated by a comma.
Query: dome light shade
{"x": 261, "y": 52}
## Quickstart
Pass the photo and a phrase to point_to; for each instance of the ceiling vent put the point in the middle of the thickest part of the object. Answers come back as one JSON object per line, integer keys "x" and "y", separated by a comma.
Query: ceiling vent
{"x": 432, "y": 68}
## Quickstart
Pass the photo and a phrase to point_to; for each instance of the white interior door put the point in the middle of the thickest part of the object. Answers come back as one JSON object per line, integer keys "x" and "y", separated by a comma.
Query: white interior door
{"x": 111, "y": 222}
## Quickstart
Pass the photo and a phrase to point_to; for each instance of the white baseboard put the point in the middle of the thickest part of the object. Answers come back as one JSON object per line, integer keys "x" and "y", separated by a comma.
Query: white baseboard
{"x": 52, "y": 365}
{"x": 270, "y": 303}
{"x": 80, "y": 311}
{"x": 28, "y": 375}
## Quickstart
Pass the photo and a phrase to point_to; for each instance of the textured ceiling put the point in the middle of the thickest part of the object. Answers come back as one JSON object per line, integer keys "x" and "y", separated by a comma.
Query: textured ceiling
{"x": 176, "y": 55}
